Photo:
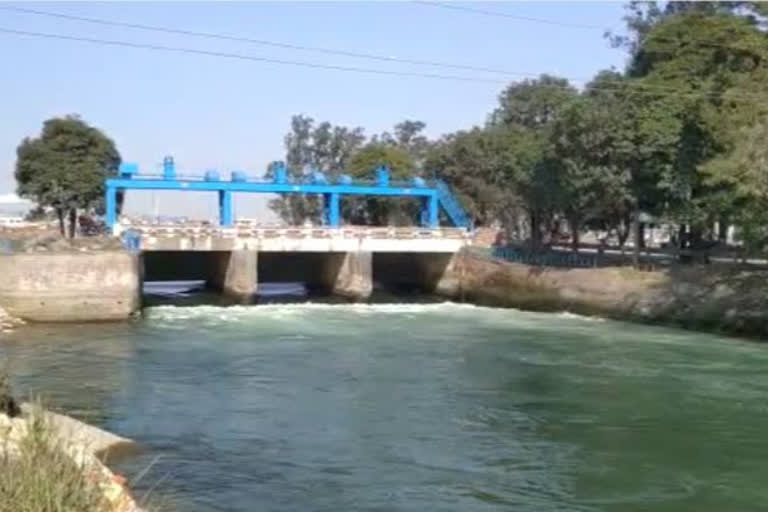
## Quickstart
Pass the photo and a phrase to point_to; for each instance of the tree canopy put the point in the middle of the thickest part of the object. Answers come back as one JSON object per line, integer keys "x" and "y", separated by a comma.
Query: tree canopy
{"x": 675, "y": 136}
{"x": 65, "y": 167}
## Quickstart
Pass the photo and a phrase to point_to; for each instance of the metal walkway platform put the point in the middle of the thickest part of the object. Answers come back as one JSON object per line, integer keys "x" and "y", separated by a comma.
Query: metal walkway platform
{"x": 432, "y": 194}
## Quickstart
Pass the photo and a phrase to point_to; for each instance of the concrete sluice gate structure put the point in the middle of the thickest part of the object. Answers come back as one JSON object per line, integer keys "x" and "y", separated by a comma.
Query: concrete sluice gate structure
{"x": 344, "y": 262}
{"x": 234, "y": 256}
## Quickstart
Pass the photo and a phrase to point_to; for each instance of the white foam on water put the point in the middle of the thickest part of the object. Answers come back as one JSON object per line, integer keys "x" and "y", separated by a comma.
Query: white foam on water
{"x": 567, "y": 315}
{"x": 170, "y": 316}
{"x": 169, "y": 312}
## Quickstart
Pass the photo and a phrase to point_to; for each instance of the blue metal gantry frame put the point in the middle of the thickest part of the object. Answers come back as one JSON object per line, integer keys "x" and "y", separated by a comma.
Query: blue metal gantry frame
{"x": 431, "y": 196}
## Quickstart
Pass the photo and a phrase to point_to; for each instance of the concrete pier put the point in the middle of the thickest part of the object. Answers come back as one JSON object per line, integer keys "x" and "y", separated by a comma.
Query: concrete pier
{"x": 349, "y": 274}
{"x": 235, "y": 273}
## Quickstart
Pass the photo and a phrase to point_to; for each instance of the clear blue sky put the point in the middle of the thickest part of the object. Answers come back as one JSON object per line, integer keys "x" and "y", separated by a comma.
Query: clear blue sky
{"x": 220, "y": 113}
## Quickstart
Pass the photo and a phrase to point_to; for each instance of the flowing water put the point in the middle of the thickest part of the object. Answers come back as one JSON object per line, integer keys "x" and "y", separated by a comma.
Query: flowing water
{"x": 413, "y": 408}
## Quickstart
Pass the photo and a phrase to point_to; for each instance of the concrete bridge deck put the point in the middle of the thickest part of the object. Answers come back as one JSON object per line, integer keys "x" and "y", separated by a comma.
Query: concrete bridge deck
{"x": 246, "y": 236}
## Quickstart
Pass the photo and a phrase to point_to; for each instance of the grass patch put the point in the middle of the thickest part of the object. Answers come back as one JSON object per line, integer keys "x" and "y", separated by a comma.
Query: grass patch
{"x": 38, "y": 475}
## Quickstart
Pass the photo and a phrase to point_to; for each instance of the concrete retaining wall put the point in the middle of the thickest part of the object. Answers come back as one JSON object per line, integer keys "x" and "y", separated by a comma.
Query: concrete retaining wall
{"x": 70, "y": 286}
{"x": 700, "y": 297}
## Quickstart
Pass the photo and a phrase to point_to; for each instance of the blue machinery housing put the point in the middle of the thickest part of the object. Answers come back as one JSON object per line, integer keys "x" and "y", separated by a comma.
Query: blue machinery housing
{"x": 433, "y": 195}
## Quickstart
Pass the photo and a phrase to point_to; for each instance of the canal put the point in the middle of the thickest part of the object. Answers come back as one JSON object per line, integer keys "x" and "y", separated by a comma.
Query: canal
{"x": 412, "y": 408}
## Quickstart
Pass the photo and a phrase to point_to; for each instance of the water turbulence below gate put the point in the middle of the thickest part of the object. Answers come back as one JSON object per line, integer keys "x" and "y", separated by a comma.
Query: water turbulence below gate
{"x": 413, "y": 407}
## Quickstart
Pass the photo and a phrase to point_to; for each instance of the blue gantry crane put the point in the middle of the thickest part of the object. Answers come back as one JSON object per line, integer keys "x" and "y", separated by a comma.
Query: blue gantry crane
{"x": 432, "y": 194}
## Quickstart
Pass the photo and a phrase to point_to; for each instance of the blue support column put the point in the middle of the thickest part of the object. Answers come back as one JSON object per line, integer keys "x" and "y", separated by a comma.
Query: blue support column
{"x": 326, "y": 198}
{"x": 331, "y": 210}
{"x": 433, "y": 219}
{"x": 424, "y": 213}
{"x": 111, "y": 206}
{"x": 226, "y": 217}
{"x": 334, "y": 216}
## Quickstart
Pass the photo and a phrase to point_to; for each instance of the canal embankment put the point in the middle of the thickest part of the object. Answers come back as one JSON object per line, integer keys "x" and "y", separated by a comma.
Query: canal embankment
{"x": 50, "y": 460}
{"x": 716, "y": 298}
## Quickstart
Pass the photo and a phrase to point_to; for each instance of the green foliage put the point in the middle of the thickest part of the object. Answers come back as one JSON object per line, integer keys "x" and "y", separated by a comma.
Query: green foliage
{"x": 533, "y": 104}
{"x": 364, "y": 162}
{"x": 65, "y": 167}
{"x": 313, "y": 147}
{"x": 375, "y": 210}
{"x": 678, "y": 136}
{"x": 493, "y": 170}
{"x": 335, "y": 150}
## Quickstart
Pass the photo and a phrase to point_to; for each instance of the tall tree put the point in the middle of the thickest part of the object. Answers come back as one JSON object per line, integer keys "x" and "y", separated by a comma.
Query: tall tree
{"x": 533, "y": 106}
{"x": 592, "y": 183}
{"x": 313, "y": 147}
{"x": 65, "y": 168}
{"x": 705, "y": 60}
{"x": 495, "y": 171}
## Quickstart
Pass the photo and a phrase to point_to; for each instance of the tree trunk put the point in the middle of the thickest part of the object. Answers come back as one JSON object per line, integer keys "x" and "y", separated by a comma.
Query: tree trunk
{"x": 623, "y": 229}
{"x": 535, "y": 230}
{"x": 722, "y": 229}
{"x": 60, "y": 216}
{"x": 574, "y": 225}
{"x": 72, "y": 222}
{"x": 637, "y": 234}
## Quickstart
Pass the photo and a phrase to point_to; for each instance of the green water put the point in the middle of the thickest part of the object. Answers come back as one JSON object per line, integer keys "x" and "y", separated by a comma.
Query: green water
{"x": 414, "y": 408}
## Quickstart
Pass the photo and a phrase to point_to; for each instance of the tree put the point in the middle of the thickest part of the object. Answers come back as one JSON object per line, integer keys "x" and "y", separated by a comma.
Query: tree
{"x": 65, "y": 168}
{"x": 335, "y": 150}
{"x": 377, "y": 210}
{"x": 532, "y": 107}
{"x": 312, "y": 147}
{"x": 408, "y": 136}
{"x": 495, "y": 171}
{"x": 742, "y": 178}
{"x": 592, "y": 183}
{"x": 712, "y": 58}
{"x": 532, "y": 104}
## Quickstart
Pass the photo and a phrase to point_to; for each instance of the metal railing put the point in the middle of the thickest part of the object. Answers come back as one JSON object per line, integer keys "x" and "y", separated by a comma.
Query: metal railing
{"x": 545, "y": 258}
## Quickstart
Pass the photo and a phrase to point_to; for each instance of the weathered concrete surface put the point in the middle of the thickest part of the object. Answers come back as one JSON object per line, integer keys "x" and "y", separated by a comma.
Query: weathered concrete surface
{"x": 70, "y": 286}
{"x": 442, "y": 273}
{"x": 430, "y": 272}
{"x": 299, "y": 239}
{"x": 349, "y": 274}
{"x": 702, "y": 297}
{"x": 97, "y": 441}
{"x": 236, "y": 273}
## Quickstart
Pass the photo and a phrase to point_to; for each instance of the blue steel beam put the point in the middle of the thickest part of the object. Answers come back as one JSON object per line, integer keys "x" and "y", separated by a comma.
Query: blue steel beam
{"x": 431, "y": 197}
{"x": 332, "y": 195}
{"x": 287, "y": 188}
